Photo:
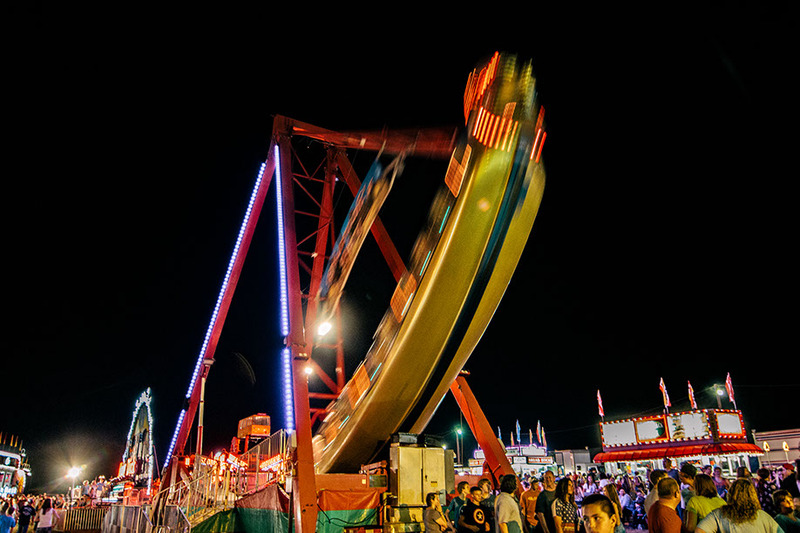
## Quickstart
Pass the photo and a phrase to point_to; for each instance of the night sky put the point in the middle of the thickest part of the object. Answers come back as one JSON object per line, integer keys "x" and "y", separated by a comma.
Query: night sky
{"x": 660, "y": 249}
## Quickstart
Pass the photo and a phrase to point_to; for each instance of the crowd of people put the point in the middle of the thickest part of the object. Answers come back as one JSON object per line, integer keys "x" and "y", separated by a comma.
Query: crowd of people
{"x": 39, "y": 514}
{"x": 675, "y": 499}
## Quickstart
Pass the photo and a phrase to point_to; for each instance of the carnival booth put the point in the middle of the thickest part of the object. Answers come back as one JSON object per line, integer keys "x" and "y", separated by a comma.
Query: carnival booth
{"x": 715, "y": 437}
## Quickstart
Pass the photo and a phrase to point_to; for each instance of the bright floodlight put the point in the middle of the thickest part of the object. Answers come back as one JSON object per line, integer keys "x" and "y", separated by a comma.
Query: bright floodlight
{"x": 308, "y": 370}
{"x": 720, "y": 392}
{"x": 324, "y": 328}
{"x": 74, "y": 472}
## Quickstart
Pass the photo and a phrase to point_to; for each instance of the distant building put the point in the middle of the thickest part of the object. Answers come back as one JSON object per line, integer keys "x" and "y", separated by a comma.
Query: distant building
{"x": 779, "y": 447}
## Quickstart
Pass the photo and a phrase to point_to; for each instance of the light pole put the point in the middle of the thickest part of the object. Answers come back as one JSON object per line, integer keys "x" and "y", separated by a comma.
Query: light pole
{"x": 458, "y": 445}
{"x": 719, "y": 392}
{"x": 73, "y": 474}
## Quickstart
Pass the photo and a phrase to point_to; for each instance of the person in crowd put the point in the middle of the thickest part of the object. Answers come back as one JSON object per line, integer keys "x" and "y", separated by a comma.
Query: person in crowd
{"x": 720, "y": 482}
{"x": 742, "y": 512}
{"x": 652, "y": 496}
{"x": 702, "y": 503}
{"x": 790, "y": 482}
{"x": 527, "y": 504}
{"x": 471, "y": 518}
{"x": 564, "y": 509}
{"x": 671, "y": 470}
{"x": 765, "y": 488}
{"x": 663, "y": 516}
{"x": 626, "y": 505}
{"x": 610, "y": 491}
{"x": 787, "y": 516}
{"x": 458, "y": 501}
{"x": 487, "y": 502}
{"x": 7, "y": 521}
{"x": 590, "y": 486}
{"x": 25, "y": 513}
{"x": 506, "y": 509}
{"x": 639, "y": 517}
{"x": 598, "y": 514}
{"x": 544, "y": 504}
{"x": 432, "y": 516}
{"x": 744, "y": 473}
{"x": 46, "y": 517}
{"x": 686, "y": 476}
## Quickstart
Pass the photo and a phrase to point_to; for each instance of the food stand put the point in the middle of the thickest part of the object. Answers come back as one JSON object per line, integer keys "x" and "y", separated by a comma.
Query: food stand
{"x": 715, "y": 437}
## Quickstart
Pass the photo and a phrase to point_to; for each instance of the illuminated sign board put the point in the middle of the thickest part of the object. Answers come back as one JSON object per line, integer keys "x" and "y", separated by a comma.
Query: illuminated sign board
{"x": 619, "y": 433}
{"x": 651, "y": 429}
{"x": 705, "y": 425}
{"x": 729, "y": 424}
{"x": 689, "y": 426}
{"x": 547, "y": 460}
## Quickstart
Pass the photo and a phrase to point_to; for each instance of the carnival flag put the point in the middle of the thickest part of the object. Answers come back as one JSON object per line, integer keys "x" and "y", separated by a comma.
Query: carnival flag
{"x": 729, "y": 388}
{"x": 539, "y": 431}
{"x": 664, "y": 393}
{"x": 519, "y": 440}
{"x": 691, "y": 396}
{"x": 530, "y": 437}
{"x": 600, "y": 404}
{"x": 544, "y": 440}
{"x": 498, "y": 433}
{"x": 512, "y": 438}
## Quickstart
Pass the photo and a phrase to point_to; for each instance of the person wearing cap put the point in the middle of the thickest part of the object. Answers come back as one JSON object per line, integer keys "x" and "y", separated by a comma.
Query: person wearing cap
{"x": 789, "y": 482}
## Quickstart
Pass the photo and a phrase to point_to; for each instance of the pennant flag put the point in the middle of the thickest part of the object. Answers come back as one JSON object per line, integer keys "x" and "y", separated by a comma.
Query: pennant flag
{"x": 498, "y": 433}
{"x": 519, "y": 440}
{"x": 530, "y": 437}
{"x": 512, "y": 437}
{"x": 729, "y": 388}
{"x": 544, "y": 439}
{"x": 539, "y": 431}
{"x": 691, "y": 396}
{"x": 664, "y": 393}
{"x": 600, "y": 404}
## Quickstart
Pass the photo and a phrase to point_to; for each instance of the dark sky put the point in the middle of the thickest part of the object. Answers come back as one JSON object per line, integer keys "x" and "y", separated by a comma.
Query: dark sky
{"x": 660, "y": 249}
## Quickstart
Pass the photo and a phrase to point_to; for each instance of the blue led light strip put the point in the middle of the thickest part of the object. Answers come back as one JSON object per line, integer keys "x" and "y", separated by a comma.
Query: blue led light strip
{"x": 234, "y": 257}
{"x": 286, "y": 355}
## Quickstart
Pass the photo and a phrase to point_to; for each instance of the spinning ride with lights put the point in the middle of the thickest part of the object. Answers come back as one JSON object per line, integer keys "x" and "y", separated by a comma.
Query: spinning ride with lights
{"x": 445, "y": 295}
{"x": 138, "y": 460}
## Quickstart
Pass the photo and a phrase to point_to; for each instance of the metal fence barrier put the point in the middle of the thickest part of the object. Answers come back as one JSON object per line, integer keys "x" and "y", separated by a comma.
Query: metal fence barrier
{"x": 81, "y": 519}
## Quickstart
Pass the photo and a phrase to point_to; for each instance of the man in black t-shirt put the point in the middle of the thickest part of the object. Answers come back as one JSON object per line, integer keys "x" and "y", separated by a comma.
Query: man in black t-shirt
{"x": 26, "y": 512}
{"x": 472, "y": 517}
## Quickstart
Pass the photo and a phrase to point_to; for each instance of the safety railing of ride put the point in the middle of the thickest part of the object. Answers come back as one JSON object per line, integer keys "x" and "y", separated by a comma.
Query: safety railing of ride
{"x": 265, "y": 462}
{"x": 197, "y": 498}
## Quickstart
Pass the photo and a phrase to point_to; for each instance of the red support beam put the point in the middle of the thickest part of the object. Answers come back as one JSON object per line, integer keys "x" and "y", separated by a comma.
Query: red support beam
{"x": 305, "y": 504}
{"x": 494, "y": 452}
{"x": 182, "y": 434}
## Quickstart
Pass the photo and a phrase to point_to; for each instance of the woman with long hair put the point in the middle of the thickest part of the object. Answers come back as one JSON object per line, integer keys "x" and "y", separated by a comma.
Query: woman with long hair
{"x": 610, "y": 491}
{"x": 46, "y": 517}
{"x": 565, "y": 512}
{"x": 703, "y": 502}
{"x": 741, "y": 513}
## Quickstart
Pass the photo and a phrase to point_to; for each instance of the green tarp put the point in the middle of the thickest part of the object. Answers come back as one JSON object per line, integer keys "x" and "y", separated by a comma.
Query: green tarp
{"x": 223, "y": 522}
